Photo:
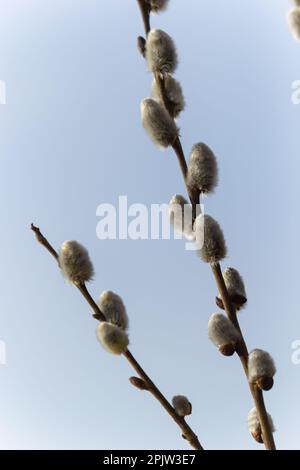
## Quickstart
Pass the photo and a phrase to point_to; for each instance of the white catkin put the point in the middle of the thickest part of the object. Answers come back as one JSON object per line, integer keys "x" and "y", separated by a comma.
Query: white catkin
{"x": 202, "y": 169}
{"x": 158, "y": 5}
{"x": 181, "y": 216}
{"x": 254, "y": 424}
{"x": 158, "y": 123}
{"x": 235, "y": 287}
{"x": 161, "y": 52}
{"x": 293, "y": 19}
{"x": 174, "y": 95}
{"x": 210, "y": 240}
{"x": 75, "y": 262}
{"x": 260, "y": 364}
{"x": 182, "y": 405}
{"x": 113, "y": 339}
{"x": 221, "y": 331}
{"x": 113, "y": 309}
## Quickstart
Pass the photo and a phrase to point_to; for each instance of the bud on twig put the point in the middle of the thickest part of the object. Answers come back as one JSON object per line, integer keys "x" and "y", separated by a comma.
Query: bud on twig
{"x": 75, "y": 262}
{"x": 161, "y": 53}
{"x": 112, "y": 338}
{"x": 158, "y": 5}
{"x": 209, "y": 239}
{"x": 158, "y": 123}
{"x": 113, "y": 309}
{"x": 174, "y": 94}
{"x": 181, "y": 216}
{"x": 261, "y": 369}
{"x": 202, "y": 169}
{"x": 223, "y": 334}
{"x": 255, "y": 427}
{"x": 138, "y": 383}
{"x": 182, "y": 405}
{"x": 235, "y": 287}
{"x": 141, "y": 44}
{"x": 293, "y": 18}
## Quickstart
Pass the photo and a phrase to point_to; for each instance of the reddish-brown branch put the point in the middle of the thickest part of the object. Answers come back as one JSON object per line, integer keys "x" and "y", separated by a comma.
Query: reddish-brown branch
{"x": 187, "y": 432}
{"x": 216, "y": 269}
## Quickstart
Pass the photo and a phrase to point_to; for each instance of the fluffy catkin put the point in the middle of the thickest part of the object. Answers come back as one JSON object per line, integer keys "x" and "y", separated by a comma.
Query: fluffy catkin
{"x": 182, "y": 405}
{"x": 261, "y": 369}
{"x": 161, "y": 53}
{"x": 235, "y": 287}
{"x": 158, "y": 5}
{"x": 174, "y": 95}
{"x": 255, "y": 427}
{"x": 203, "y": 169}
{"x": 223, "y": 333}
{"x": 181, "y": 216}
{"x": 158, "y": 123}
{"x": 75, "y": 262}
{"x": 209, "y": 239}
{"x": 113, "y": 339}
{"x": 293, "y": 18}
{"x": 113, "y": 308}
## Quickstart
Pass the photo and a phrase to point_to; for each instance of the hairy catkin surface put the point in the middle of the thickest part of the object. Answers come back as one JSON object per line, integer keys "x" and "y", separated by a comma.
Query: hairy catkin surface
{"x": 75, "y": 262}
{"x": 161, "y": 52}
{"x": 157, "y": 122}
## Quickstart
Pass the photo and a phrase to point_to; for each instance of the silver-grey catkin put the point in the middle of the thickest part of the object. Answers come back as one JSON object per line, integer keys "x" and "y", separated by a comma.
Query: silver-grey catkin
{"x": 181, "y": 216}
{"x": 182, "y": 405}
{"x": 75, "y": 262}
{"x": 158, "y": 5}
{"x": 260, "y": 365}
{"x": 255, "y": 427}
{"x": 221, "y": 331}
{"x": 202, "y": 169}
{"x": 293, "y": 19}
{"x": 113, "y": 339}
{"x": 174, "y": 94}
{"x": 158, "y": 123}
{"x": 161, "y": 52}
{"x": 235, "y": 287}
{"x": 210, "y": 240}
{"x": 113, "y": 309}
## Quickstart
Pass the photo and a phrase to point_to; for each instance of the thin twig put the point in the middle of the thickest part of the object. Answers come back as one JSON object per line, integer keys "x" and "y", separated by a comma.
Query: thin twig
{"x": 187, "y": 432}
{"x": 216, "y": 269}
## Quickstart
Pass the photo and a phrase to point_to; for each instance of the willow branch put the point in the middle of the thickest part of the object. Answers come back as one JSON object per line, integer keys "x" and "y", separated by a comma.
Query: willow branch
{"x": 216, "y": 269}
{"x": 187, "y": 432}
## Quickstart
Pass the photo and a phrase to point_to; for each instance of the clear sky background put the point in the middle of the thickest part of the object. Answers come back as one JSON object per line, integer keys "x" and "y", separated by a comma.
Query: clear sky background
{"x": 71, "y": 138}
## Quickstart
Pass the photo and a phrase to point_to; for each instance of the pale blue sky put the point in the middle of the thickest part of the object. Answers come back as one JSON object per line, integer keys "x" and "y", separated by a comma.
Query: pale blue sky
{"x": 71, "y": 138}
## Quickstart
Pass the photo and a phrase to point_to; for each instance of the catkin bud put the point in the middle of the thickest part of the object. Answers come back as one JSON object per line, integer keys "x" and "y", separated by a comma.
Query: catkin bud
{"x": 158, "y": 5}
{"x": 203, "y": 169}
{"x": 209, "y": 239}
{"x": 113, "y": 309}
{"x": 261, "y": 369}
{"x": 235, "y": 287}
{"x": 113, "y": 339}
{"x": 181, "y": 216}
{"x": 158, "y": 123}
{"x": 174, "y": 95}
{"x": 138, "y": 383}
{"x": 141, "y": 44}
{"x": 182, "y": 405}
{"x": 293, "y": 18}
{"x": 255, "y": 427}
{"x": 223, "y": 334}
{"x": 75, "y": 262}
{"x": 161, "y": 53}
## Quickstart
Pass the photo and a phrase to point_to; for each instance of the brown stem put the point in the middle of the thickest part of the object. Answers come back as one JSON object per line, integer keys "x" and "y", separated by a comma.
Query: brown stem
{"x": 230, "y": 310}
{"x": 145, "y": 12}
{"x": 98, "y": 315}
